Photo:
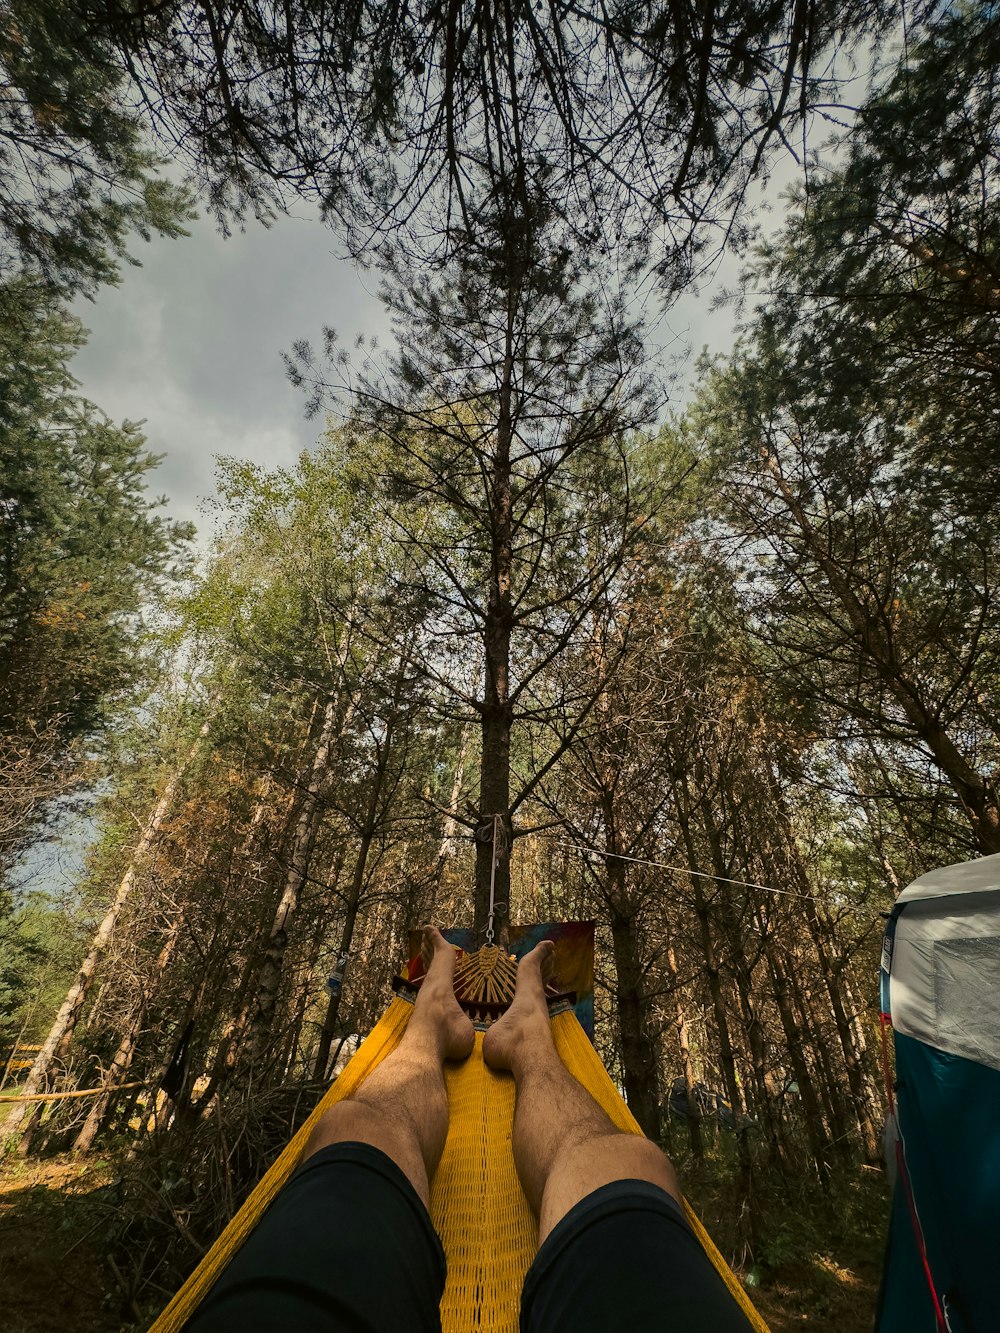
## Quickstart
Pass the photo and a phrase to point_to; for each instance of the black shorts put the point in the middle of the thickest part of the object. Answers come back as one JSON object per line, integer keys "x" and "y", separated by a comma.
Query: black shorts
{"x": 348, "y": 1247}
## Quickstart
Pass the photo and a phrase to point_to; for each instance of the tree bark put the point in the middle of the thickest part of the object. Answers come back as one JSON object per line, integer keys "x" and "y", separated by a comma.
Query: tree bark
{"x": 727, "y": 1055}
{"x": 743, "y": 982}
{"x": 332, "y": 1016}
{"x": 494, "y": 834}
{"x": 66, "y": 1019}
{"x": 370, "y": 825}
{"x": 827, "y": 953}
{"x": 303, "y": 843}
{"x": 449, "y": 828}
{"x": 820, "y": 1051}
{"x": 122, "y": 1061}
{"x": 794, "y": 1043}
{"x": 639, "y": 1063}
{"x": 831, "y": 968}
{"x": 687, "y": 1070}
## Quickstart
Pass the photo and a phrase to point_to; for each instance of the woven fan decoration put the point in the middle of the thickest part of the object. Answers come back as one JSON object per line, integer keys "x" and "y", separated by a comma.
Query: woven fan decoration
{"x": 484, "y": 984}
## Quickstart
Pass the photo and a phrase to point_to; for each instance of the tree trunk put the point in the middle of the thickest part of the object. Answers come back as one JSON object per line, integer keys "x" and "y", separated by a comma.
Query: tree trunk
{"x": 374, "y": 818}
{"x": 794, "y": 1043}
{"x": 639, "y": 1065}
{"x": 227, "y": 1057}
{"x": 871, "y": 1085}
{"x": 66, "y": 1019}
{"x": 450, "y": 827}
{"x": 763, "y": 1102}
{"x": 330, "y": 1019}
{"x": 727, "y": 1056}
{"x": 296, "y": 1057}
{"x": 122, "y": 1062}
{"x": 687, "y": 1070}
{"x": 743, "y": 981}
{"x": 821, "y": 1050}
{"x": 826, "y": 952}
{"x": 369, "y": 828}
{"x": 303, "y": 842}
{"x": 494, "y": 833}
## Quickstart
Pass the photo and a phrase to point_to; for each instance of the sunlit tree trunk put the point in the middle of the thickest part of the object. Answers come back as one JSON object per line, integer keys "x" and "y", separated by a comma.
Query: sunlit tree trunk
{"x": 69, "y": 1013}
{"x": 693, "y": 1117}
{"x": 304, "y": 837}
{"x": 122, "y": 1062}
{"x": 370, "y": 824}
{"x": 449, "y": 829}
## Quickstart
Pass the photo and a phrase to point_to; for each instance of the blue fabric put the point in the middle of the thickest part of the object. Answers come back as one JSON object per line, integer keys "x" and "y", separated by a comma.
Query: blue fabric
{"x": 949, "y": 1119}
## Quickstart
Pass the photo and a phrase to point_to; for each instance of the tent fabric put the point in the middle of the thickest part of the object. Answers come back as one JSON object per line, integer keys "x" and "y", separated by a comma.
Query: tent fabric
{"x": 944, "y": 983}
{"x": 941, "y": 996}
{"x": 949, "y": 1122}
{"x": 965, "y": 877}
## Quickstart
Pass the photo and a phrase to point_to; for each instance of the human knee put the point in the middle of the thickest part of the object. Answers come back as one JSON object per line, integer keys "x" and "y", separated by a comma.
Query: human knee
{"x": 348, "y": 1121}
{"x": 641, "y": 1159}
{"x": 624, "y": 1156}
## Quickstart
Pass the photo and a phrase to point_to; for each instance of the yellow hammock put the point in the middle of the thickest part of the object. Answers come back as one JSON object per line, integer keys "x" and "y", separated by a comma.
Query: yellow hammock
{"x": 477, "y": 1205}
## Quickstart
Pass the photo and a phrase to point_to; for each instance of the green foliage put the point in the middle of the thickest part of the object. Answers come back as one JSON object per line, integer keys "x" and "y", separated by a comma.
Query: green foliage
{"x": 883, "y": 289}
{"x": 39, "y": 948}
{"x": 83, "y": 554}
{"x": 22, "y": 952}
{"x": 295, "y": 572}
{"x": 76, "y": 176}
{"x": 853, "y": 431}
{"x": 83, "y": 548}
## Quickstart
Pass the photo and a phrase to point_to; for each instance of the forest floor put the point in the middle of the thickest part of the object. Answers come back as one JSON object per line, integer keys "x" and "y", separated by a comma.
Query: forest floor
{"x": 54, "y": 1265}
{"x": 812, "y": 1274}
{"x": 819, "y": 1254}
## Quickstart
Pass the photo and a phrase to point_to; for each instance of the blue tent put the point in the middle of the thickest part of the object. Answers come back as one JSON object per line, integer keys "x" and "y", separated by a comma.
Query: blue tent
{"x": 941, "y": 996}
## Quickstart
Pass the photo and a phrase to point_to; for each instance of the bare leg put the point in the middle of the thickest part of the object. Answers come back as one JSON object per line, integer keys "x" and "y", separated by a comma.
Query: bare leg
{"x": 565, "y": 1147}
{"x": 402, "y": 1107}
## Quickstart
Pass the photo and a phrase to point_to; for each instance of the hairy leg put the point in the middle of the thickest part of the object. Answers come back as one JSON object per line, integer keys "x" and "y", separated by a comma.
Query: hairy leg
{"x": 402, "y": 1107}
{"x": 565, "y": 1146}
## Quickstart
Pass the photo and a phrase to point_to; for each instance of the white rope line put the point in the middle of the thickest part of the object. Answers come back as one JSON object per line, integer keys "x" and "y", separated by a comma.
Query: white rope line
{"x": 678, "y": 870}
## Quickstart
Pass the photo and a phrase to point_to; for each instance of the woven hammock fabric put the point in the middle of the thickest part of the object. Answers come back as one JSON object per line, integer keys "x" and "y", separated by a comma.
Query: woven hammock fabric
{"x": 383, "y": 1038}
{"x": 477, "y": 1205}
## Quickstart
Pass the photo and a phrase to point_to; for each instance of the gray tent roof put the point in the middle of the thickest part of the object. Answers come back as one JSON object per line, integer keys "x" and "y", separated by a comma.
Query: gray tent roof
{"x": 977, "y": 876}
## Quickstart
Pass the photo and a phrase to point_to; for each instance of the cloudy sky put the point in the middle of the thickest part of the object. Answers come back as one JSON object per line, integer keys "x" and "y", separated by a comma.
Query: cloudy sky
{"x": 191, "y": 341}
{"x": 191, "y": 344}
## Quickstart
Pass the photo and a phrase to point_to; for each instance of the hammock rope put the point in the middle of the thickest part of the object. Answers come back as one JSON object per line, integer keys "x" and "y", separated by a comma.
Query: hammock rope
{"x": 478, "y": 1208}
